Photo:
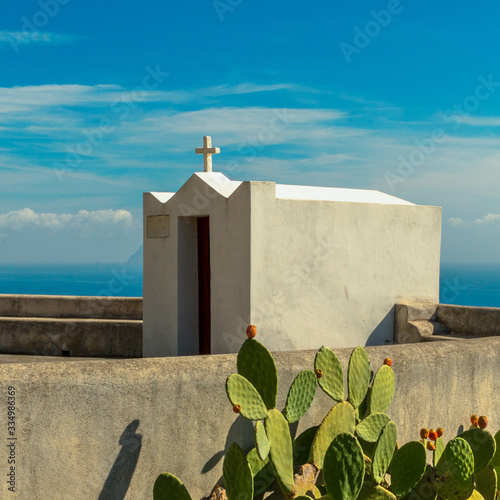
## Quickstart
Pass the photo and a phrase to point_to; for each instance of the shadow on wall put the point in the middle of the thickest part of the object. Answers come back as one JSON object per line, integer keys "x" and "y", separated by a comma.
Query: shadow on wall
{"x": 120, "y": 475}
{"x": 379, "y": 336}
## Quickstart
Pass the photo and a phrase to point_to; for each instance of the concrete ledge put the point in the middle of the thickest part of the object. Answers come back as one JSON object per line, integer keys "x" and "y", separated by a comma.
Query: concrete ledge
{"x": 62, "y": 306}
{"x": 97, "y": 429}
{"x": 473, "y": 321}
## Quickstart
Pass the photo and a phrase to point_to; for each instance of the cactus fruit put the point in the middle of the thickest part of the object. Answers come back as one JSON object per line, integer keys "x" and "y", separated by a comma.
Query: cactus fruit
{"x": 483, "y": 422}
{"x": 384, "y": 452}
{"x": 257, "y": 365}
{"x": 262, "y": 472}
{"x": 237, "y": 408}
{"x": 318, "y": 372}
{"x": 238, "y": 477}
{"x": 339, "y": 419}
{"x": 344, "y": 467}
{"x": 370, "y": 428}
{"x": 358, "y": 376}
{"x": 261, "y": 441}
{"x": 457, "y": 462}
{"x": 382, "y": 390}
{"x": 424, "y": 433}
{"x": 388, "y": 361}
{"x": 371, "y": 491}
{"x": 300, "y": 395}
{"x": 242, "y": 393}
{"x": 439, "y": 432}
{"x": 483, "y": 446}
{"x": 407, "y": 468}
{"x": 440, "y": 446}
{"x": 486, "y": 483}
{"x": 302, "y": 446}
{"x": 431, "y": 446}
{"x": 474, "y": 420}
{"x": 168, "y": 487}
{"x": 433, "y": 435}
{"x": 332, "y": 381}
{"x": 251, "y": 331}
{"x": 281, "y": 453}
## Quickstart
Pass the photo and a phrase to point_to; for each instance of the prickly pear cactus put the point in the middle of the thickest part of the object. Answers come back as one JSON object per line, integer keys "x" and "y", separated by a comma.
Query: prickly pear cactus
{"x": 358, "y": 376}
{"x": 382, "y": 390}
{"x": 457, "y": 463}
{"x": 344, "y": 467}
{"x": 339, "y": 419}
{"x": 407, "y": 468}
{"x": 483, "y": 446}
{"x": 256, "y": 364}
{"x": 384, "y": 451}
{"x": 370, "y": 428}
{"x": 332, "y": 379}
{"x": 302, "y": 446}
{"x": 169, "y": 487}
{"x": 440, "y": 446}
{"x": 300, "y": 395}
{"x": 238, "y": 477}
{"x": 486, "y": 483}
{"x": 262, "y": 472}
{"x": 243, "y": 394}
{"x": 371, "y": 491}
{"x": 281, "y": 453}
{"x": 261, "y": 442}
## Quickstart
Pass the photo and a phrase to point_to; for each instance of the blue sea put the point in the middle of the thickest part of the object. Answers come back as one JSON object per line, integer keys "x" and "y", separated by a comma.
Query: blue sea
{"x": 462, "y": 284}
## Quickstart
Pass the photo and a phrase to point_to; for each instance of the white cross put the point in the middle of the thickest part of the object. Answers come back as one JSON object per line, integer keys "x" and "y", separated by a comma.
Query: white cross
{"x": 207, "y": 151}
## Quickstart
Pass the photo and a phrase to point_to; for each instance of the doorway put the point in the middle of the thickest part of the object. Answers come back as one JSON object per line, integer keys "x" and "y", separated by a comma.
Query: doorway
{"x": 204, "y": 296}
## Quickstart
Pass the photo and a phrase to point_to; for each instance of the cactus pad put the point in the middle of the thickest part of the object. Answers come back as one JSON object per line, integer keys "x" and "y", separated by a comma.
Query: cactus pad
{"x": 332, "y": 381}
{"x": 168, "y": 487}
{"x": 476, "y": 495}
{"x": 358, "y": 376}
{"x": 241, "y": 392}
{"x": 300, "y": 395}
{"x": 302, "y": 446}
{"x": 384, "y": 451}
{"x": 371, "y": 491}
{"x": 457, "y": 460}
{"x": 257, "y": 365}
{"x": 339, "y": 419}
{"x": 382, "y": 390}
{"x": 483, "y": 446}
{"x": 448, "y": 488}
{"x": 440, "y": 446}
{"x": 344, "y": 467}
{"x": 495, "y": 461}
{"x": 407, "y": 468}
{"x": 238, "y": 478}
{"x": 486, "y": 483}
{"x": 370, "y": 428}
{"x": 262, "y": 472}
{"x": 261, "y": 441}
{"x": 281, "y": 454}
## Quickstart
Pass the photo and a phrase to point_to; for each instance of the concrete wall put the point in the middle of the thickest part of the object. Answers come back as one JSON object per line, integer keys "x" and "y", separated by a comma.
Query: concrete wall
{"x": 103, "y": 430}
{"x": 336, "y": 269}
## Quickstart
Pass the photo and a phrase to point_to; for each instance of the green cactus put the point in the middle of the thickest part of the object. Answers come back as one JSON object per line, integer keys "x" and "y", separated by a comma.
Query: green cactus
{"x": 483, "y": 446}
{"x": 300, "y": 395}
{"x": 303, "y": 497}
{"x": 358, "y": 376}
{"x": 371, "y": 491}
{"x": 450, "y": 489}
{"x": 241, "y": 392}
{"x": 370, "y": 428}
{"x": 495, "y": 461}
{"x": 256, "y": 364}
{"x": 457, "y": 462}
{"x": 169, "y": 487}
{"x": 332, "y": 380}
{"x": 302, "y": 446}
{"x": 384, "y": 451}
{"x": 382, "y": 390}
{"x": 423, "y": 490}
{"x": 237, "y": 474}
{"x": 344, "y": 467}
{"x": 440, "y": 446}
{"x": 476, "y": 496}
{"x": 486, "y": 483}
{"x": 407, "y": 468}
{"x": 339, "y": 419}
{"x": 281, "y": 453}
{"x": 261, "y": 442}
{"x": 262, "y": 472}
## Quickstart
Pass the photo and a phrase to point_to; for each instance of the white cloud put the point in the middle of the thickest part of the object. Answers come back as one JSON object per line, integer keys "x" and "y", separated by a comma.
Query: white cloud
{"x": 487, "y": 219}
{"x": 20, "y": 219}
{"x": 455, "y": 221}
{"x": 16, "y": 38}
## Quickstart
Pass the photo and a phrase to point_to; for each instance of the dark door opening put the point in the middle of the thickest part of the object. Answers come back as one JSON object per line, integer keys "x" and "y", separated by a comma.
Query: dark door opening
{"x": 204, "y": 307}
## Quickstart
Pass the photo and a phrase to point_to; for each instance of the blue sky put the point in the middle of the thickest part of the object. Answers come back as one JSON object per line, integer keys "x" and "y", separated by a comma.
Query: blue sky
{"x": 101, "y": 101}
